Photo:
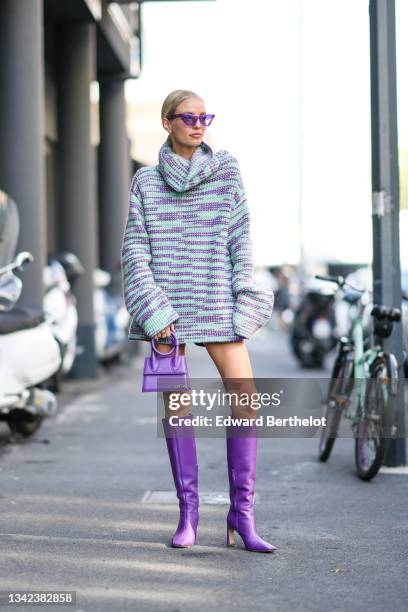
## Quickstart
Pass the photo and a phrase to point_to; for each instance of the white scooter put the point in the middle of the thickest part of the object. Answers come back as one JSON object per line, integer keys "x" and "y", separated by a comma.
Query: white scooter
{"x": 111, "y": 320}
{"x": 29, "y": 354}
{"x": 60, "y": 305}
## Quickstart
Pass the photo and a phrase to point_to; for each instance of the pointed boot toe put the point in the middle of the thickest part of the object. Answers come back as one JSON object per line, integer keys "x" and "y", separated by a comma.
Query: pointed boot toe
{"x": 185, "y": 536}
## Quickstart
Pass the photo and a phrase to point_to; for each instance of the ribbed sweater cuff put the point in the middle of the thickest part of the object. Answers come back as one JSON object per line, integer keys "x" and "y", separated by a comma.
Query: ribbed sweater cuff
{"x": 159, "y": 320}
{"x": 252, "y": 310}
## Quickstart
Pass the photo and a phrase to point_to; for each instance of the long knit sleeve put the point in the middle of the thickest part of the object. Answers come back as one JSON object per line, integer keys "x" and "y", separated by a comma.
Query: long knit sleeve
{"x": 146, "y": 302}
{"x": 254, "y": 303}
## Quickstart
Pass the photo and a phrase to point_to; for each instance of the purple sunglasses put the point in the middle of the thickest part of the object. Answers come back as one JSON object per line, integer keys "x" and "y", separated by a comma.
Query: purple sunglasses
{"x": 190, "y": 119}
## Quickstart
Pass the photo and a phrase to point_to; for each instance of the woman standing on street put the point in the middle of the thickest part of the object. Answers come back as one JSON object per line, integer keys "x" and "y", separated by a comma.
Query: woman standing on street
{"x": 187, "y": 268}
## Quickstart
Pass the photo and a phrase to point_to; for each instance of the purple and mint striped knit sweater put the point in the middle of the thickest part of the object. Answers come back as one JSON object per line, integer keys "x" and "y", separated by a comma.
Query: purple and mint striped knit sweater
{"x": 187, "y": 251}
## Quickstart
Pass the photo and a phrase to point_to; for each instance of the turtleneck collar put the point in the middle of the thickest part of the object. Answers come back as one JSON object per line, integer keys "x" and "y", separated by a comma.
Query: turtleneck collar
{"x": 183, "y": 174}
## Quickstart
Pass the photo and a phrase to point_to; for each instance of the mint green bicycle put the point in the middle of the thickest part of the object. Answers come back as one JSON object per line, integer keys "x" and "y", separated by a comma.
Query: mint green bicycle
{"x": 363, "y": 383}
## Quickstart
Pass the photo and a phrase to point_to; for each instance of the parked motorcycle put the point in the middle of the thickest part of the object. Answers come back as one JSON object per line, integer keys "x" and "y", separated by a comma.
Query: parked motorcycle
{"x": 313, "y": 331}
{"x": 111, "y": 320}
{"x": 61, "y": 305}
{"x": 29, "y": 354}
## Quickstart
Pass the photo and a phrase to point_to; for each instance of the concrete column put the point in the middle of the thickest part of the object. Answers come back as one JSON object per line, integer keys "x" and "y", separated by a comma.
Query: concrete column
{"x": 114, "y": 179}
{"x": 77, "y": 181}
{"x": 385, "y": 185}
{"x": 22, "y": 158}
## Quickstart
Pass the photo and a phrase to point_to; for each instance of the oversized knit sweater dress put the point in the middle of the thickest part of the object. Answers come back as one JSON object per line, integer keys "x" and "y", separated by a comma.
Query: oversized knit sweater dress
{"x": 187, "y": 251}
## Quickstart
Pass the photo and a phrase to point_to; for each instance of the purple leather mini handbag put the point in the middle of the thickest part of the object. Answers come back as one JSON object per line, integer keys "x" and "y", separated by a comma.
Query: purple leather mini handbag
{"x": 165, "y": 371}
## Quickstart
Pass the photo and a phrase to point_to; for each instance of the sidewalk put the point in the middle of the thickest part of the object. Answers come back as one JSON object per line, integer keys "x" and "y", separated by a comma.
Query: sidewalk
{"x": 81, "y": 510}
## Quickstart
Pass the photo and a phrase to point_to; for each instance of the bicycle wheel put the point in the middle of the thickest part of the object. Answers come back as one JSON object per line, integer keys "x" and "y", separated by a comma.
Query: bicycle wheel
{"x": 337, "y": 397}
{"x": 373, "y": 432}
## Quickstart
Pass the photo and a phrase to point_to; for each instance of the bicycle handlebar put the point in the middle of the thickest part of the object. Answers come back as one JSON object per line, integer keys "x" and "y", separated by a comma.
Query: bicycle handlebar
{"x": 340, "y": 281}
{"x": 379, "y": 311}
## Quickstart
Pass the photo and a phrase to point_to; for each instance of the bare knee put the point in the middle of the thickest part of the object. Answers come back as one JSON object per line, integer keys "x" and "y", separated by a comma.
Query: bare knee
{"x": 176, "y": 404}
{"x": 243, "y": 398}
{"x": 234, "y": 365}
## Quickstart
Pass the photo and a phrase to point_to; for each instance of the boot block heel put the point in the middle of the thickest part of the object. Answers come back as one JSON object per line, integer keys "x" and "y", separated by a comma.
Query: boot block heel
{"x": 230, "y": 536}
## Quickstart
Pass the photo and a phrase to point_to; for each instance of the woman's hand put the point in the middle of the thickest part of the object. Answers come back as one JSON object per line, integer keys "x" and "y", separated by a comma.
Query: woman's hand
{"x": 165, "y": 332}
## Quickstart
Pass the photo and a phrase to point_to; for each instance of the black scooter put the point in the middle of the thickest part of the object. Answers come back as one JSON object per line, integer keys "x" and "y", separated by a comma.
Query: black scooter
{"x": 312, "y": 332}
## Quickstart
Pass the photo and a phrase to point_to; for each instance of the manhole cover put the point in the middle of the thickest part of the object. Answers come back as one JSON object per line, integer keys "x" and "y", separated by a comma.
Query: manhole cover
{"x": 211, "y": 498}
{"x": 214, "y": 499}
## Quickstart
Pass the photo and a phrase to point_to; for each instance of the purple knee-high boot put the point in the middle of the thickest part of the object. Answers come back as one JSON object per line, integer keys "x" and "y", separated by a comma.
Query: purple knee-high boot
{"x": 181, "y": 447}
{"x": 241, "y": 457}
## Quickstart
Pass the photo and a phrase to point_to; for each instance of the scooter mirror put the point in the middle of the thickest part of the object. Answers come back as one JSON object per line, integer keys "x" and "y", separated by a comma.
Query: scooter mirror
{"x": 22, "y": 259}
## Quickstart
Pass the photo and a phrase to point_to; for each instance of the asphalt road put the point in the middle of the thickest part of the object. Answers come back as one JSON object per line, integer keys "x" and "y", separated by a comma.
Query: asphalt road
{"x": 88, "y": 505}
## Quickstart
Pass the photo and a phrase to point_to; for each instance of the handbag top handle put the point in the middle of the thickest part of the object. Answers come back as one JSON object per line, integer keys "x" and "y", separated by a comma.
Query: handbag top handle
{"x": 175, "y": 343}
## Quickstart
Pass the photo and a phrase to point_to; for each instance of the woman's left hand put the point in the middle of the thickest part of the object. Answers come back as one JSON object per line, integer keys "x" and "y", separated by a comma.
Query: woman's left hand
{"x": 165, "y": 333}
